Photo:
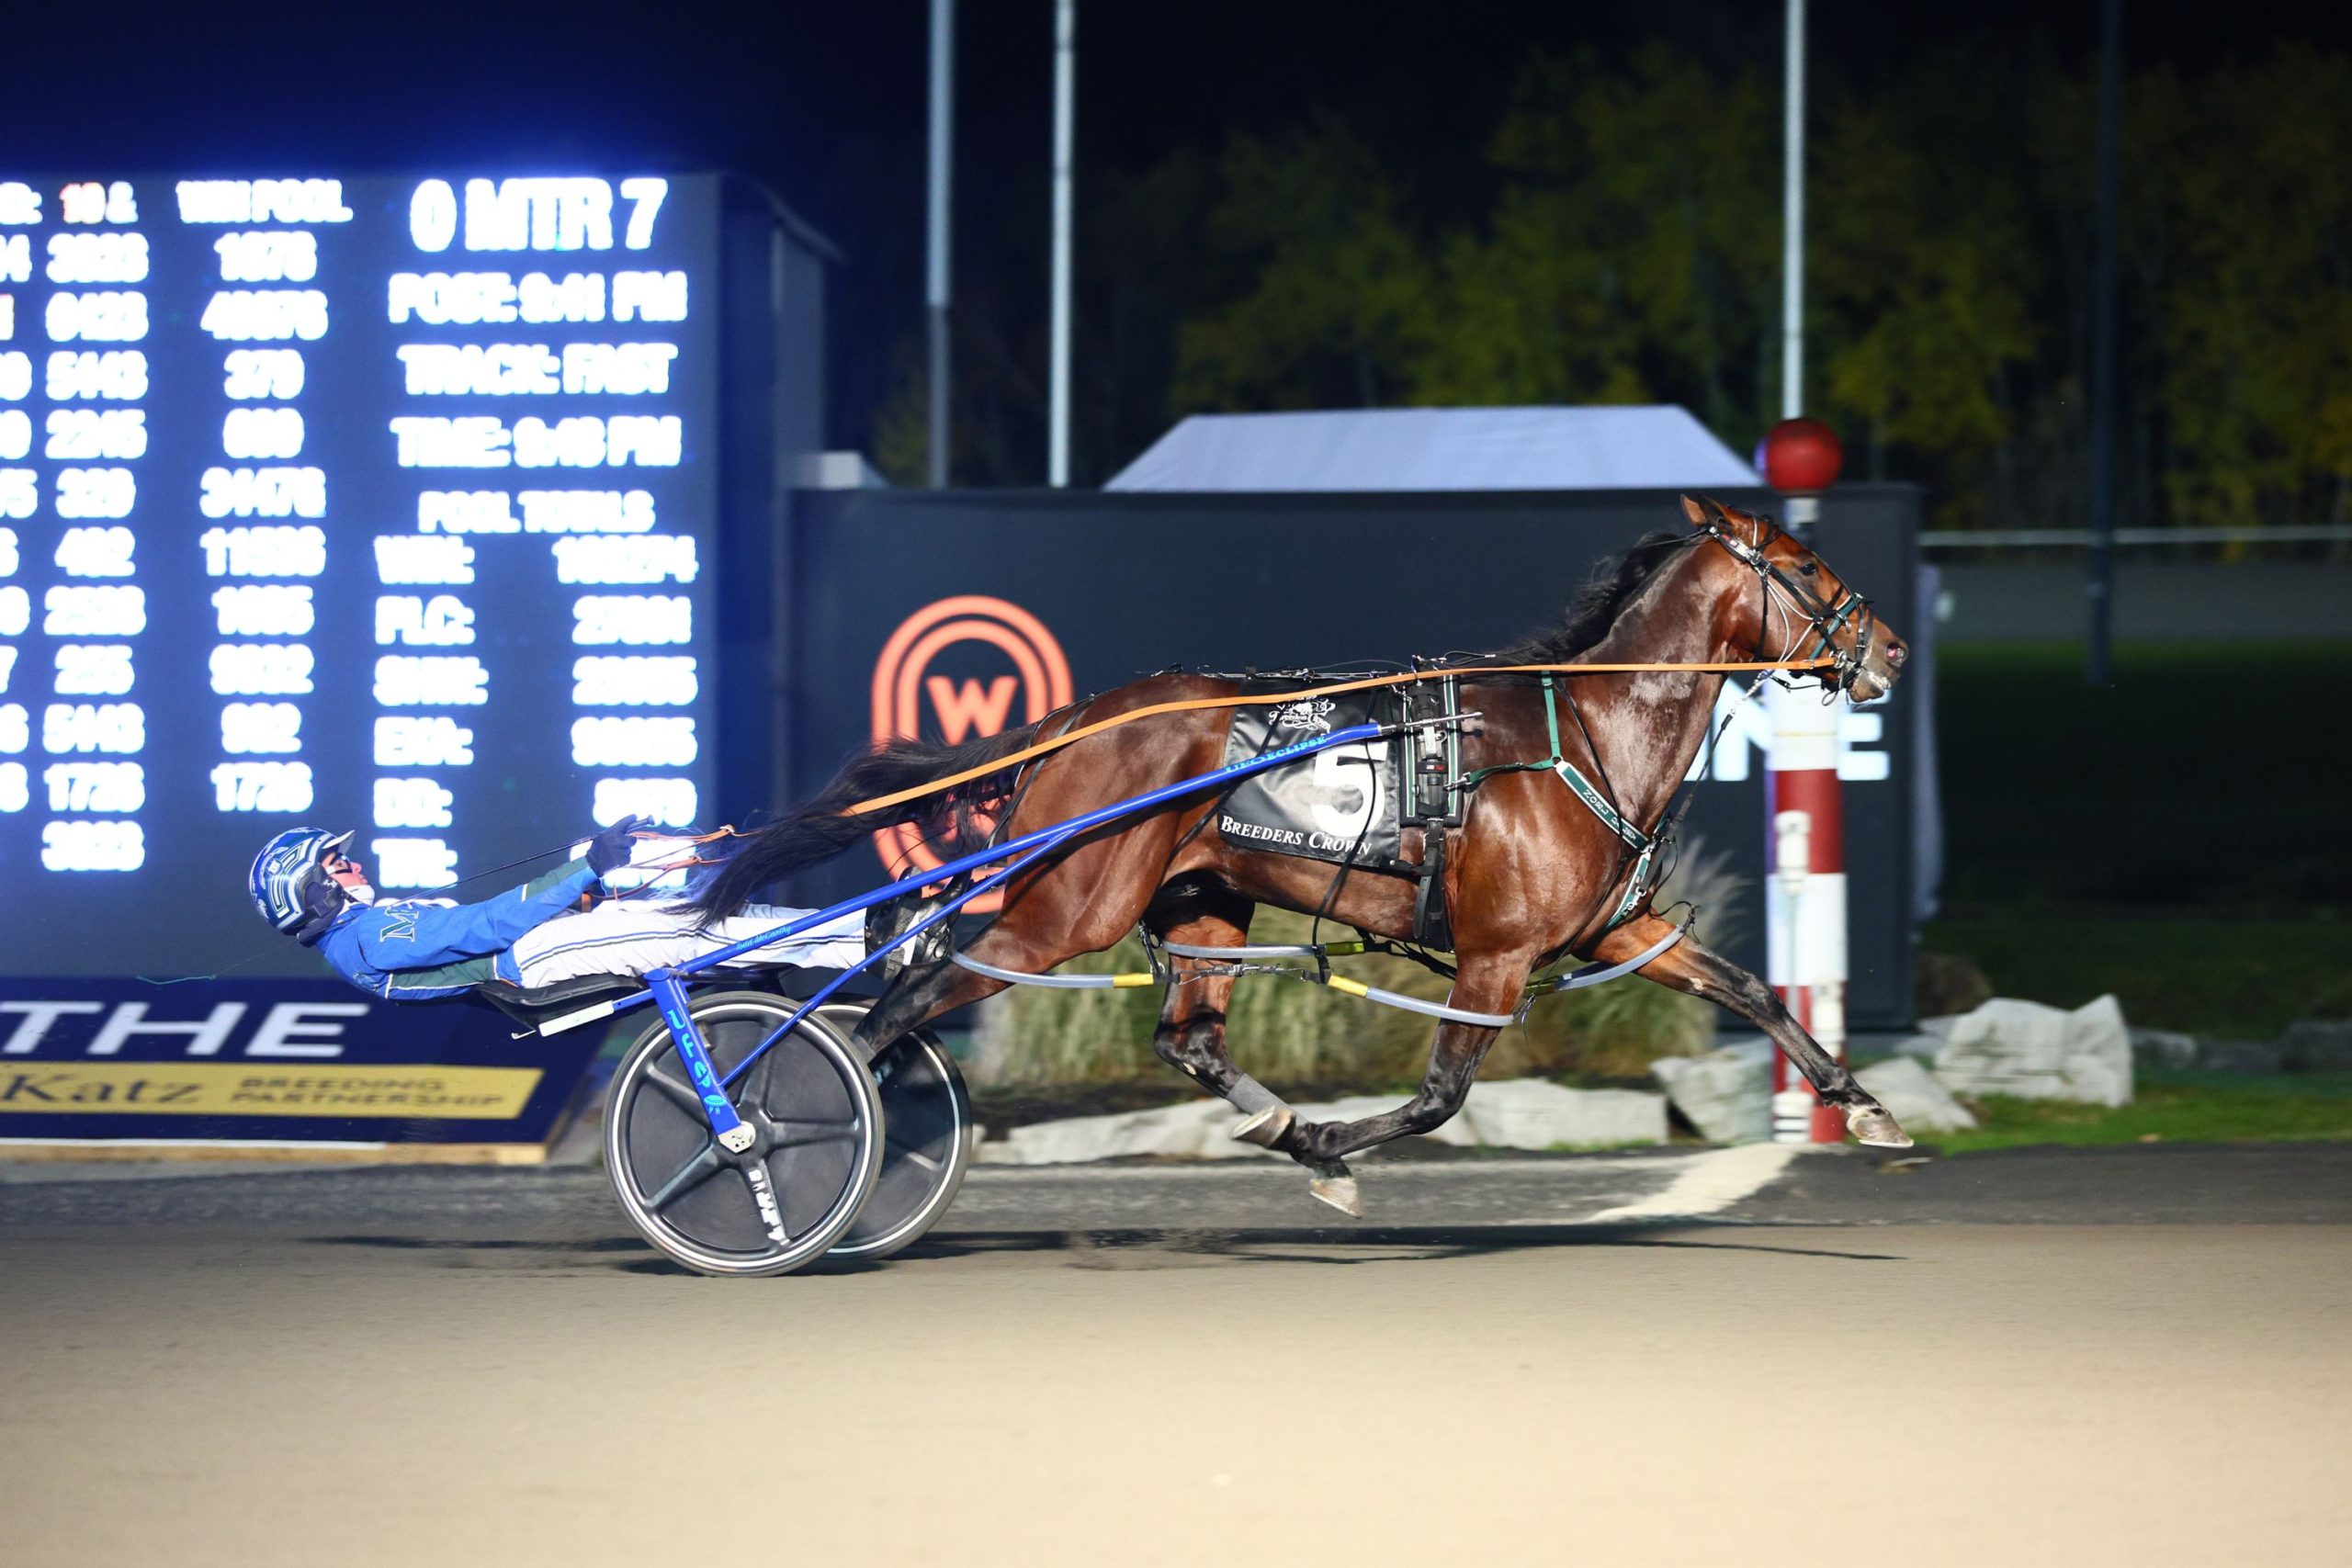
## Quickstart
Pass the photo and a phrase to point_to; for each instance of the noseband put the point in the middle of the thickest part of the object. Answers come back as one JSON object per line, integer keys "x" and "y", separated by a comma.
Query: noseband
{"x": 1823, "y": 618}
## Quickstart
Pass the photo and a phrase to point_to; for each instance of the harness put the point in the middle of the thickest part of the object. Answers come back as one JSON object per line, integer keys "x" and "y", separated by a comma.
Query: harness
{"x": 1643, "y": 845}
{"x": 1822, "y": 617}
{"x": 1823, "y": 620}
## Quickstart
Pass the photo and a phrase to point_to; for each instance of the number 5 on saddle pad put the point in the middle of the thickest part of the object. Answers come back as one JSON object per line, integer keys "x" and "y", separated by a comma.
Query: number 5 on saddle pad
{"x": 1344, "y": 806}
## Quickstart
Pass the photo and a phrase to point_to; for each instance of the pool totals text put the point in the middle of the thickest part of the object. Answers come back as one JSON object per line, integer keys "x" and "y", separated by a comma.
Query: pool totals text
{"x": 379, "y": 502}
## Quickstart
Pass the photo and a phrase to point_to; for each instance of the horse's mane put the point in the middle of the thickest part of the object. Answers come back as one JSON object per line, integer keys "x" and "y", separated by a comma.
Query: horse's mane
{"x": 1614, "y": 582}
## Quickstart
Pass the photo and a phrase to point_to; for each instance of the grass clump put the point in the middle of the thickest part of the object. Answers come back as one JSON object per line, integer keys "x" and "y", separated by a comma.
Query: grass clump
{"x": 2171, "y": 1108}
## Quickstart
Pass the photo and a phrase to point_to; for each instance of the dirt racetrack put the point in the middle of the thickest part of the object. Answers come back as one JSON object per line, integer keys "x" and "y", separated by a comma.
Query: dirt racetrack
{"x": 535, "y": 1388}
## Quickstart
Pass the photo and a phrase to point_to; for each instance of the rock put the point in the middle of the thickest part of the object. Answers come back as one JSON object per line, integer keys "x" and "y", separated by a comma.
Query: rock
{"x": 1725, "y": 1094}
{"x": 1914, "y": 1097}
{"x": 2319, "y": 1045}
{"x": 2163, "y": 1048}
{"x": 2034, "y": 1052}
{"x": 1749, "y": 1048}
{"x": 2241, "y": 1057}
{"x": 1931, "y": 1036}
{"x": 1195, "y": 1130}
{"x": 1530, "y": 1114}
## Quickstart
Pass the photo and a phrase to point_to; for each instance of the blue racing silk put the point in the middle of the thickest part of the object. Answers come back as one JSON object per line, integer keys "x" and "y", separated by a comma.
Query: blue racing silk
{"x": 416, "y": 949}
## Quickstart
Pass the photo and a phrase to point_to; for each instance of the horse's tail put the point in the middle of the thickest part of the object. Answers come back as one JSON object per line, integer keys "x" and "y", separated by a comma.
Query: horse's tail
{"x": 821, "y": 827}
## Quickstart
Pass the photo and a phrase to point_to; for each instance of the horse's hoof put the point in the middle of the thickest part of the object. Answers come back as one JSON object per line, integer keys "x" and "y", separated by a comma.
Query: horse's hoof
{"x": 1265, "y": 1128}
{"x": 1871, "y": 1125}
{"x": 1339, "y": 1191}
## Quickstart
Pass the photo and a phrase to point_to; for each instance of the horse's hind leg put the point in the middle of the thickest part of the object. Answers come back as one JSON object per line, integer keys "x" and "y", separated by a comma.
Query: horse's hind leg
{"x": 1490, "y": 982}
{"x": 917, "y": 994}
{"x": 1690, "y": 966}
{"x": 925, "y": 990}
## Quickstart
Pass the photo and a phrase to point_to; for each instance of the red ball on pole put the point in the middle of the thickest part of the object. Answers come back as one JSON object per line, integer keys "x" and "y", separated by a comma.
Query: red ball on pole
{"x": 1801, "y": 456}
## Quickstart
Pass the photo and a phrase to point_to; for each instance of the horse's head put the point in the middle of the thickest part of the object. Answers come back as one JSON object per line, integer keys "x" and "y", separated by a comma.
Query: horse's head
{"x": 1808, "y": 612}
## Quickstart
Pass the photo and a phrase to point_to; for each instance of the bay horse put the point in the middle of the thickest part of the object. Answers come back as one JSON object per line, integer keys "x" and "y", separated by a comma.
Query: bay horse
{"x": 1532, "y": 874}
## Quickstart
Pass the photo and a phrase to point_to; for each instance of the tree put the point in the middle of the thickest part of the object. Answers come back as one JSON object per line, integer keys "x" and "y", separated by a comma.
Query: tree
{"x": 1339, "y": 291}
{"x": 2254, "y": 308}
{"x": 1632, "y": 255}
{"x": 1924, "y": 277}
{"x": 1621, "y": 243}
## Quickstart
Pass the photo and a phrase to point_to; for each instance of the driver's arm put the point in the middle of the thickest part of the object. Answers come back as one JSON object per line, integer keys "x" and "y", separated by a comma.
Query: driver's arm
{"x": 420, "y": 936}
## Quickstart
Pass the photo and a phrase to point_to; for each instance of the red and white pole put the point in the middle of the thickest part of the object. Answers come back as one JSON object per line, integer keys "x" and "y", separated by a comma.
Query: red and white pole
{"x": 1805, "y": 926}
{"x": 1804, "y": 812}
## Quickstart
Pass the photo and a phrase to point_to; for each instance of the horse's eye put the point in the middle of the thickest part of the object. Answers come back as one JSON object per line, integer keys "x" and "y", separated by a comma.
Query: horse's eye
{"x": 1808, "y": 570}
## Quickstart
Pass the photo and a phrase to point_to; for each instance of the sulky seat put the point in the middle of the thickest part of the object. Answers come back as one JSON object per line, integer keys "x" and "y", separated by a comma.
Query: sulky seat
{"x": 530, "y": 1005}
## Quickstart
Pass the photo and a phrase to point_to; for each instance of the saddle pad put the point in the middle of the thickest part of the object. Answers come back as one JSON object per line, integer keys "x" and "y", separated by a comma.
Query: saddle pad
{"x": 1340, "y": 805}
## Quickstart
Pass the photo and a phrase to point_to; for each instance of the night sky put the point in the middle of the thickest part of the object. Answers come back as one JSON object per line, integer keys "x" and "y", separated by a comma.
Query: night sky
{"x": 825, "y": 103}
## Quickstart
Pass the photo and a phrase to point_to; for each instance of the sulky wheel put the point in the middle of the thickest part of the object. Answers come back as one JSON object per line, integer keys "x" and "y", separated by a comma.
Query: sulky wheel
{"x": 816, "y": 1116}
{"x": 927, "y": 1126}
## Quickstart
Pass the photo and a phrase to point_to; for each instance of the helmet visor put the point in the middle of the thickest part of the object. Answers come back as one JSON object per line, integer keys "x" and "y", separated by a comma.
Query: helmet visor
{"x": 299, "y": 885}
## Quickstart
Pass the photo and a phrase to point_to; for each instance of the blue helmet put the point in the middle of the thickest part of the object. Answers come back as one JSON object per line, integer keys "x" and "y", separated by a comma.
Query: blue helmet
{"x": 284, "y": 868}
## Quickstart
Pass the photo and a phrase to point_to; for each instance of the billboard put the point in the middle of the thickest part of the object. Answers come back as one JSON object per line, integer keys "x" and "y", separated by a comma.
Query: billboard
{"x": 394, "y": 503}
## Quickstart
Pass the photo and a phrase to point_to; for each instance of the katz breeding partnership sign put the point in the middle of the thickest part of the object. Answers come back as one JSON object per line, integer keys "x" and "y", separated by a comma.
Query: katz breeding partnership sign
{"x": 222, "y": 1063}
{"x": 219, "y": 1089}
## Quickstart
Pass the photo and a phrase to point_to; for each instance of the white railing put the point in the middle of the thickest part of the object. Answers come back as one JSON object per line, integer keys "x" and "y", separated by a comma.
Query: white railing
{"x": 2080, "y": 538}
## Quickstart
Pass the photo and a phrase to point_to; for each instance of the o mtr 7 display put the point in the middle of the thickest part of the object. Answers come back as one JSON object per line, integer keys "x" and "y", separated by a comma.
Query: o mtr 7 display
{"x": 386, "y": 503}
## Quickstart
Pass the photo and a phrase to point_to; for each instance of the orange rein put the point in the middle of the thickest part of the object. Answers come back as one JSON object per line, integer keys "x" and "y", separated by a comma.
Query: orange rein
{"x": 1277, "y": 699}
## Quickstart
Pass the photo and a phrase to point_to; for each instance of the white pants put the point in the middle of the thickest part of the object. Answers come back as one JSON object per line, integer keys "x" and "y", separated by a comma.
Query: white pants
{"x": 629, "y": 936}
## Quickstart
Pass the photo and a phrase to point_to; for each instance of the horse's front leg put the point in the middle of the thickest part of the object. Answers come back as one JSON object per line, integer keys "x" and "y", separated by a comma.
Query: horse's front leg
{"x": 1489, "y": 984}
{"x": 1689, "y": 966}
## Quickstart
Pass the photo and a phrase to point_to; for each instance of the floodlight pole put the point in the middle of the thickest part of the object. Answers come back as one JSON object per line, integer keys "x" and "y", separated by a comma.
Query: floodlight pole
{"x": 1065, "y": 113}
{"x": 1793, "y": 220}
{"x": 2100, "y": 666}
{"x": 935, "y": 276}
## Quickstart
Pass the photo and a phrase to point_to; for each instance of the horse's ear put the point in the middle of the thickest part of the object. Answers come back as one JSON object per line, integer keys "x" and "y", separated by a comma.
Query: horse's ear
{"x": 1695, "y": 510}
{"x": 1733, "y": 518}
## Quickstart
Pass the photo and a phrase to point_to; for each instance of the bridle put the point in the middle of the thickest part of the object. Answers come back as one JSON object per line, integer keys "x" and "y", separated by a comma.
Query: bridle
{"x": 1823, "y": 618}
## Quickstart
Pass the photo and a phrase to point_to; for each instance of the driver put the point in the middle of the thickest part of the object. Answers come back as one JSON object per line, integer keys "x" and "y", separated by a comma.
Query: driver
{"x": 417, "y": 949}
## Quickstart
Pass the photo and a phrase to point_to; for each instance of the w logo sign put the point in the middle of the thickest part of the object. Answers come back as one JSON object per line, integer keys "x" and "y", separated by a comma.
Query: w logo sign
{"x": 967, "y": 710}
{"x": 956, "y": 671}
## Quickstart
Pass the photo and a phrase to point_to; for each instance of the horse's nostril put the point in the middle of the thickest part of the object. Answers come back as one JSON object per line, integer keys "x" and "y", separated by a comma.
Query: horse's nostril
{"x": 1896, "y": 653}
